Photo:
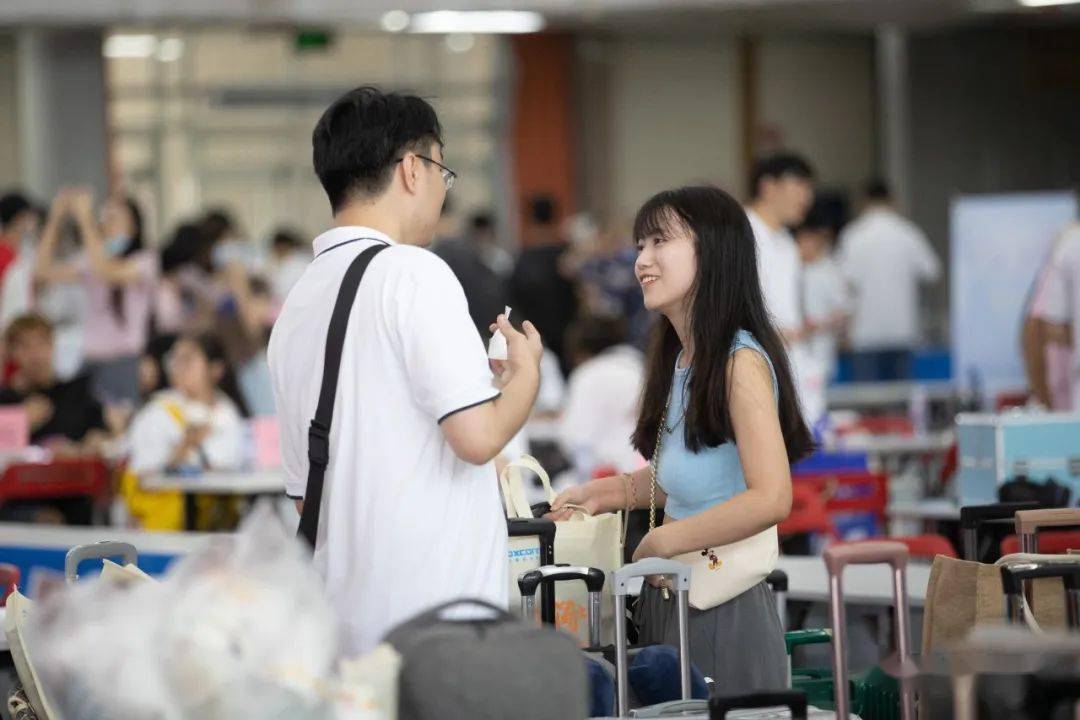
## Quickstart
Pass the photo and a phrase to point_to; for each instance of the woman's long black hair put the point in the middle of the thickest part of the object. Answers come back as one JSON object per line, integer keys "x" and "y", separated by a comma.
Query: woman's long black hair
{"x": 135, "y": 244}
{"x": 727, "y": 297}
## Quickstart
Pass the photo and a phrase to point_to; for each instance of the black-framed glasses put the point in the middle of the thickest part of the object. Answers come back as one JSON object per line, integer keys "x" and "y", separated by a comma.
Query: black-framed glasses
{"x": 448, "y": 175}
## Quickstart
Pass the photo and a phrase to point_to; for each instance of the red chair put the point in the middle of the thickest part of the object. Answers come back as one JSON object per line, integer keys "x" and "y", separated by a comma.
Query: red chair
{"x": 808, "y": 513}
{"x": 55, "y": 480}
{"x": 1051, "y": 542}
{"x": 9, "y": 580}
{"x": 927, "y": 546}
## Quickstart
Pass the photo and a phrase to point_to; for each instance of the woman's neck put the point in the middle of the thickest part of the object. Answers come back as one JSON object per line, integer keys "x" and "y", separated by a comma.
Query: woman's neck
{"x": 681, "y": 322}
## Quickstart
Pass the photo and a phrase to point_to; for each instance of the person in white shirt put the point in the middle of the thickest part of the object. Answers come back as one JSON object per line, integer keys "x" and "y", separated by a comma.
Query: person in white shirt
{"x": 885, "y": 257}
{"x": 602, "y": 398}
{"x": 192, "y": 426}
{"x": 824, "y": 291}
{"x": 410, "y": 514}
{"x": 782, "y": 192}
{"x": 1056, "y": 305}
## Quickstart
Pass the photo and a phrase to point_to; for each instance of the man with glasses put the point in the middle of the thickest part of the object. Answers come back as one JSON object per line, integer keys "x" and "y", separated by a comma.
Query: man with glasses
{"x": 410, "y": 515}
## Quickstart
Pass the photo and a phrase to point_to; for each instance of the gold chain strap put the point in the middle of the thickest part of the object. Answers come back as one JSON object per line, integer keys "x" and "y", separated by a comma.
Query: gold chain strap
{"x": 655, "y": 464}
{"x": 665, "y": 592}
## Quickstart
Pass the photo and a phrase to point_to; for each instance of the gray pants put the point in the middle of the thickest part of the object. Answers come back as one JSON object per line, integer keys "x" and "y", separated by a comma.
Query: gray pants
{"x": 739, "y": 644}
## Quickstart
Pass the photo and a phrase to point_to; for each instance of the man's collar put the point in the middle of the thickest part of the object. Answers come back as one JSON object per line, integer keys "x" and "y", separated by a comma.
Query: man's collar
{"x": 343, "y": 234}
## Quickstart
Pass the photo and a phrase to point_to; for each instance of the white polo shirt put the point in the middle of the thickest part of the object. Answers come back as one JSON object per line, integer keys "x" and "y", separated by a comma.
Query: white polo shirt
{"x": 885, "y": 256}
{"x": 405, "y": 524}
{"x": 778, "y": 268}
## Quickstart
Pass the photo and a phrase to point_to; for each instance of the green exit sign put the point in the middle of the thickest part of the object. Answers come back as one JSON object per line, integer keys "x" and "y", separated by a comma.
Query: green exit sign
{"x": 312, "y": 40}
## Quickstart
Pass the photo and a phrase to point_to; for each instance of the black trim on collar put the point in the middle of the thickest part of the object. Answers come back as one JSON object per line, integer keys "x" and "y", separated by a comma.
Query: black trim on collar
{"x": 468, "y": 407}
{"x": 350, "y": 242}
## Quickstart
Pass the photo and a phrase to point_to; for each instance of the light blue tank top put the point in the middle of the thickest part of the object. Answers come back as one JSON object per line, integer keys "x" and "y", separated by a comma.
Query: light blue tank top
{"x": 695, "y": 482}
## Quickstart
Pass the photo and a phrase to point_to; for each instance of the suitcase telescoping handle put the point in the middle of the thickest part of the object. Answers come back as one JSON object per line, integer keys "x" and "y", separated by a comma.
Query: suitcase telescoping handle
{"x": 678, "y": 576}
{"x": 837, "y": 558}
{"x": 1029, "y": 522}
{"x": 97, "y": 551}
{"x": 1012, "y": 583}
{"x": 593, "y": 578}
{"x": 795, "y": 700}
{"x": 972, "y": 517}
{"x": 778, "y": 581}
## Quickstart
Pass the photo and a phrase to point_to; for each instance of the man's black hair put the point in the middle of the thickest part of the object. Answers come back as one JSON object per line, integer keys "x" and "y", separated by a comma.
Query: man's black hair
{"x": 816, "y": 220}
{"x": 877, "y": 191}
{"x": 12, "y": 204}
{"x": 286, "y": 237}
{"x": 542, "y": 209}
{"x": 777, "y": 166}
{"x": 362, "y": 134}
{"x": 481, "y": 221}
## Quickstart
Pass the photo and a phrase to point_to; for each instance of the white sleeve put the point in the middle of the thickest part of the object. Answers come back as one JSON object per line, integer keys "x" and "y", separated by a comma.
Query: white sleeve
{"x": 444, "y": 357}
{"x": 153, "y": 437}
{"x": 1051, "y": 301}
{"x": 927, "y": 265}
{"x": 224, "y": 446}
{"x": 294, "y": 462}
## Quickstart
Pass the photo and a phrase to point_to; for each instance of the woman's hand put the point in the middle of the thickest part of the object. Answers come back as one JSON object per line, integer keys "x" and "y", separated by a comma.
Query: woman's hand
{"x": 579, "y": 495}
{"x": 654, "y": 544}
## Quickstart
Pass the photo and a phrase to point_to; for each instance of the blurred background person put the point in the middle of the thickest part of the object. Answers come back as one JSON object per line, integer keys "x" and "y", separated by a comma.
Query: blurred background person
{"x": 539, "y": 290}
{"x": 824, "y": 291}
{"x": 603, "y": 263}
{"x": 289, "y": 258}
{"x": 63, "y": 415}
{"x": 885, "y": 257}
{"x": 485, "y": 289}
{"x": 1053, "y": 326}
{"x": 192, "y": 426}
{"x": 20, "y": 224}
{"x": 602, "y": 397}
{"x": 118, "y": 274}
{"x": 782, "y": 192}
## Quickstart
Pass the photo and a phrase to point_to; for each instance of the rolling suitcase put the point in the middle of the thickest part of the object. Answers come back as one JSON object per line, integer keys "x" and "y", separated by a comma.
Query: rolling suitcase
{"x": 1014, "y": 576}
{"x": 527, "y": 553}
{"x": 880, "y": 698}
{"x": 976, "y": 518}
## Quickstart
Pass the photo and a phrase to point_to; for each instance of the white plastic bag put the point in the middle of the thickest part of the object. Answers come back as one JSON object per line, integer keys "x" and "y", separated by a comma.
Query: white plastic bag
{"x": 239, "y": 629}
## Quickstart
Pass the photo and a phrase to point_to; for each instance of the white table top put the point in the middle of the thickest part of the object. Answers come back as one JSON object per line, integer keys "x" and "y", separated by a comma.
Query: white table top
{"x": 878, "y": 394}
{"x": 64, "y": 537}
{"x": 936, "y": 442}
{"x": 929, "y": 509}
{"x": 862, "y": 584}
{"x": 261, "y": 482}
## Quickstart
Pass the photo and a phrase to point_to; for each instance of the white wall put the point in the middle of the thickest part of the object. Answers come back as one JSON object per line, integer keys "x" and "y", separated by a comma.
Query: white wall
{"x": 675, "y": 117}
{"x": 817, "y": 96}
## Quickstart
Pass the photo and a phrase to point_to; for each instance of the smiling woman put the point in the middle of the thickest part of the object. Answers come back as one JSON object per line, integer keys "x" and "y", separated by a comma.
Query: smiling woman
{"x": 719, "y": 422}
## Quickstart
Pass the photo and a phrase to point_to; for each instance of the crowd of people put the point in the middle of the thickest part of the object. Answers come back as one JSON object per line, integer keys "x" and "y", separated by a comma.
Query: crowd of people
{"x": 102, "y": 322}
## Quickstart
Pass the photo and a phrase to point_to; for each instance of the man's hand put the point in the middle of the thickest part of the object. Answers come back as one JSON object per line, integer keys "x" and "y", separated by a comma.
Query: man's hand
{"x": 523, "y": 350}
{"x": 82, "y": 204}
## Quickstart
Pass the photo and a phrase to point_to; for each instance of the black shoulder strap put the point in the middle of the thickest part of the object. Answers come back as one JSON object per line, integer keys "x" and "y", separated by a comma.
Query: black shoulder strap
{"x": 319, "y": 431}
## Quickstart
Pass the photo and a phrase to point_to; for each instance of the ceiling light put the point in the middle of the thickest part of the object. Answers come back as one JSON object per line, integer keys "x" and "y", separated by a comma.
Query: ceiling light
{"x": 170, "y": 50}
{"x": 130, "y": 46}
{"x": 395, "y": 21}
{"x": 1047, "y": 3}
{"x": 477, "y": 21}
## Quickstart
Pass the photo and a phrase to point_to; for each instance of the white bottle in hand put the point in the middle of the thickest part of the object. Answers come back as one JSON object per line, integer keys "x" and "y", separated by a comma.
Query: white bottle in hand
{"x": 497, "y": 344}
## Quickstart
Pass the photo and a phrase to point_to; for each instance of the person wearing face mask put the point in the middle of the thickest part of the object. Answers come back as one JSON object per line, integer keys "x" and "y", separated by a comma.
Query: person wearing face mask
{"x": 19, "y": 226}
{"x": 719, "y": 422}
{"x": 118, "y": 274}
